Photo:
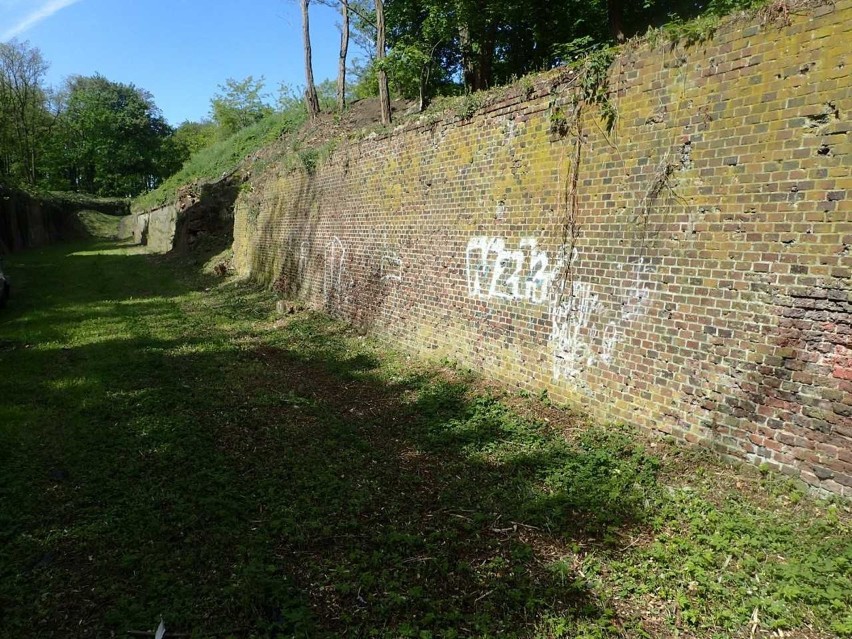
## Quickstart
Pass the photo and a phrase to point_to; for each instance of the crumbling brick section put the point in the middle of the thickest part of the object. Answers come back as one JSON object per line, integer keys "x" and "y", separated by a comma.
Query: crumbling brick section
{"x": 687, "y": 272}
{"x": 803, "y": 394}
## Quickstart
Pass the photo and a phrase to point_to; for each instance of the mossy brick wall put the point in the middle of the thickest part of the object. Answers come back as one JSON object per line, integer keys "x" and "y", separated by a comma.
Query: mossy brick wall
{"x": 689, "y": 272}
{"x": 29, "y": 222}
{"x": 199, "y": 210}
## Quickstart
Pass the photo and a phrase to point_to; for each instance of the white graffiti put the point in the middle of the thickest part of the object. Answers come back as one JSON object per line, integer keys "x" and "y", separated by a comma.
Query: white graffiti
{"x": 573, "y": 329}
{"x": 390, "y": 260}
{"x": 586, "y": 324}
{"x": 391, "y": 267}
{"x": 635, "y": 301}
{"x": 335, "y": 254}
{"x": 585, "y": 330}
{"x": 631, "y": 304}
{"x": 493, "y": 271}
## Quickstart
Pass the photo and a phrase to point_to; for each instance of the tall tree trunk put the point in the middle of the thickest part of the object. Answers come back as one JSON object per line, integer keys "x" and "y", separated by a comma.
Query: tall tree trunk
{"x": 477, "y": 50}
{"x": 311, "y": 99}
{"x": 468, "y": 63}
{"x": 425, "y": 75}
{"x": 344, "y": 49}
{"x": 485, "y": 75}
{"x": 384, "y": 94}
{"x": 615, "y": 10}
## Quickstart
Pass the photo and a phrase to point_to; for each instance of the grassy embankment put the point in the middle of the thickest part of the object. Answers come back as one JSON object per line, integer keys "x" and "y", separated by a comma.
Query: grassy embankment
{"x": 168, "y": 446}
{"x": 223, "y": 156}
{"x": 100, "y": 225}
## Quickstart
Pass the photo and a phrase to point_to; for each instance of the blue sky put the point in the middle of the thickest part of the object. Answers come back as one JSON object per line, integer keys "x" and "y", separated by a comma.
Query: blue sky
{"x": 179, "y": 50}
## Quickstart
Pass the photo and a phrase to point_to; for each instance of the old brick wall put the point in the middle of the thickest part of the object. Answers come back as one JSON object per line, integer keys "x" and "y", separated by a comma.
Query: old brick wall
{"x": 30, "y": 222}
{"x": 200, "y": 210}
{"x": 687, "y": 272}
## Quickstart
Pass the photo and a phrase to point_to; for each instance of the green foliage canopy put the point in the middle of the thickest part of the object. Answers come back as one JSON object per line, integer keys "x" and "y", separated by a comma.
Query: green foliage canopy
{"x": 239, "y": 103}
{"x": 25, "y": 118}
{"x": 111, "y": 138}
{"x": 449, "y": 46}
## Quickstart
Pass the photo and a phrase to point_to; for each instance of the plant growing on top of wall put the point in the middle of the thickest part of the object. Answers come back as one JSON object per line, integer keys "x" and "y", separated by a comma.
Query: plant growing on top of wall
{"x": 309, "y": 158}
{"x": 594, "y": 84}
{"x": 469, "y": 104}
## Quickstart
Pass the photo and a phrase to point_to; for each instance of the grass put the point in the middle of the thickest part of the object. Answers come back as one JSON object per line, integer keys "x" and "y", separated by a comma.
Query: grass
{"x": 222, "y": 157}
{"x": 100, "y": 225}
{"x": 72, "y": 200}
{"x": 170, "y": 447}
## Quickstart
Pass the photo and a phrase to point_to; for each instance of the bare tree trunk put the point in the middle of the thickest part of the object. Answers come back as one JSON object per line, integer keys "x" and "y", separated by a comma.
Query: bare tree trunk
{"x": 425, "y": 74}
{"x": 344, "y": 49}
{"x": 615, "y": 11}
{"x": 477, "y": 66}
{"x": 384, "y": 94}
{"x": 485, "y": 75}
{"x": 311, "y": 99}
{"x": 468, "y": 64}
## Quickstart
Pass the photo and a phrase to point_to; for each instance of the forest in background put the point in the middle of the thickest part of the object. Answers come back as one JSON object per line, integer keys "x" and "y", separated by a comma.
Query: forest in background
{"x": 107, "y": 138}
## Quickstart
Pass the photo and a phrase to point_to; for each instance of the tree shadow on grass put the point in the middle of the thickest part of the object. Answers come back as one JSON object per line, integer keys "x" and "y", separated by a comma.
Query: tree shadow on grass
{"x": 290, "y": 487}
{"x": 84, "y": 279}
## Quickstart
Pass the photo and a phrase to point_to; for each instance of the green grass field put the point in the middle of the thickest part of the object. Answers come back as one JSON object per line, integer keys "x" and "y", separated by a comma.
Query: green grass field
{"x": 100, "y": 225}
{"x": 170, "y": 448}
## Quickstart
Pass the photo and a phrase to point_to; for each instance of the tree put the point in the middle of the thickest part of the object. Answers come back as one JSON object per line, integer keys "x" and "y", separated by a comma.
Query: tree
{"x": 24, "y": 117}
{"x": 615, "y": 12}
{"x": 348, "y": 9}
{"x": 111, "y": 139}
{"x": 191, "y": 137}
{"x": 311, "y": 99}
{"x": 422, "y": 57}
{"x": 239, "y": 103}
{"x": 344, "y": 50}
{"x": 477, "y": 27}
{"x": 384, "y": 94}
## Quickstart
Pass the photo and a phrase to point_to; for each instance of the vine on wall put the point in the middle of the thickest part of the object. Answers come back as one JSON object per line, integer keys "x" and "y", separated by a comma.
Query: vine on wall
{"x": 590, "y": 88}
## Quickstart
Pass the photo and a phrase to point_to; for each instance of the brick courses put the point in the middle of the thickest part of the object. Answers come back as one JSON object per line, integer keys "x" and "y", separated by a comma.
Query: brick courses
{"x": 706, "y": 293}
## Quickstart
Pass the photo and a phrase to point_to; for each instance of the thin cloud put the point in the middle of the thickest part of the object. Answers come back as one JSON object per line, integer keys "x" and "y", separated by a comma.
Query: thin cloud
{"x": 42, "y": 12}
